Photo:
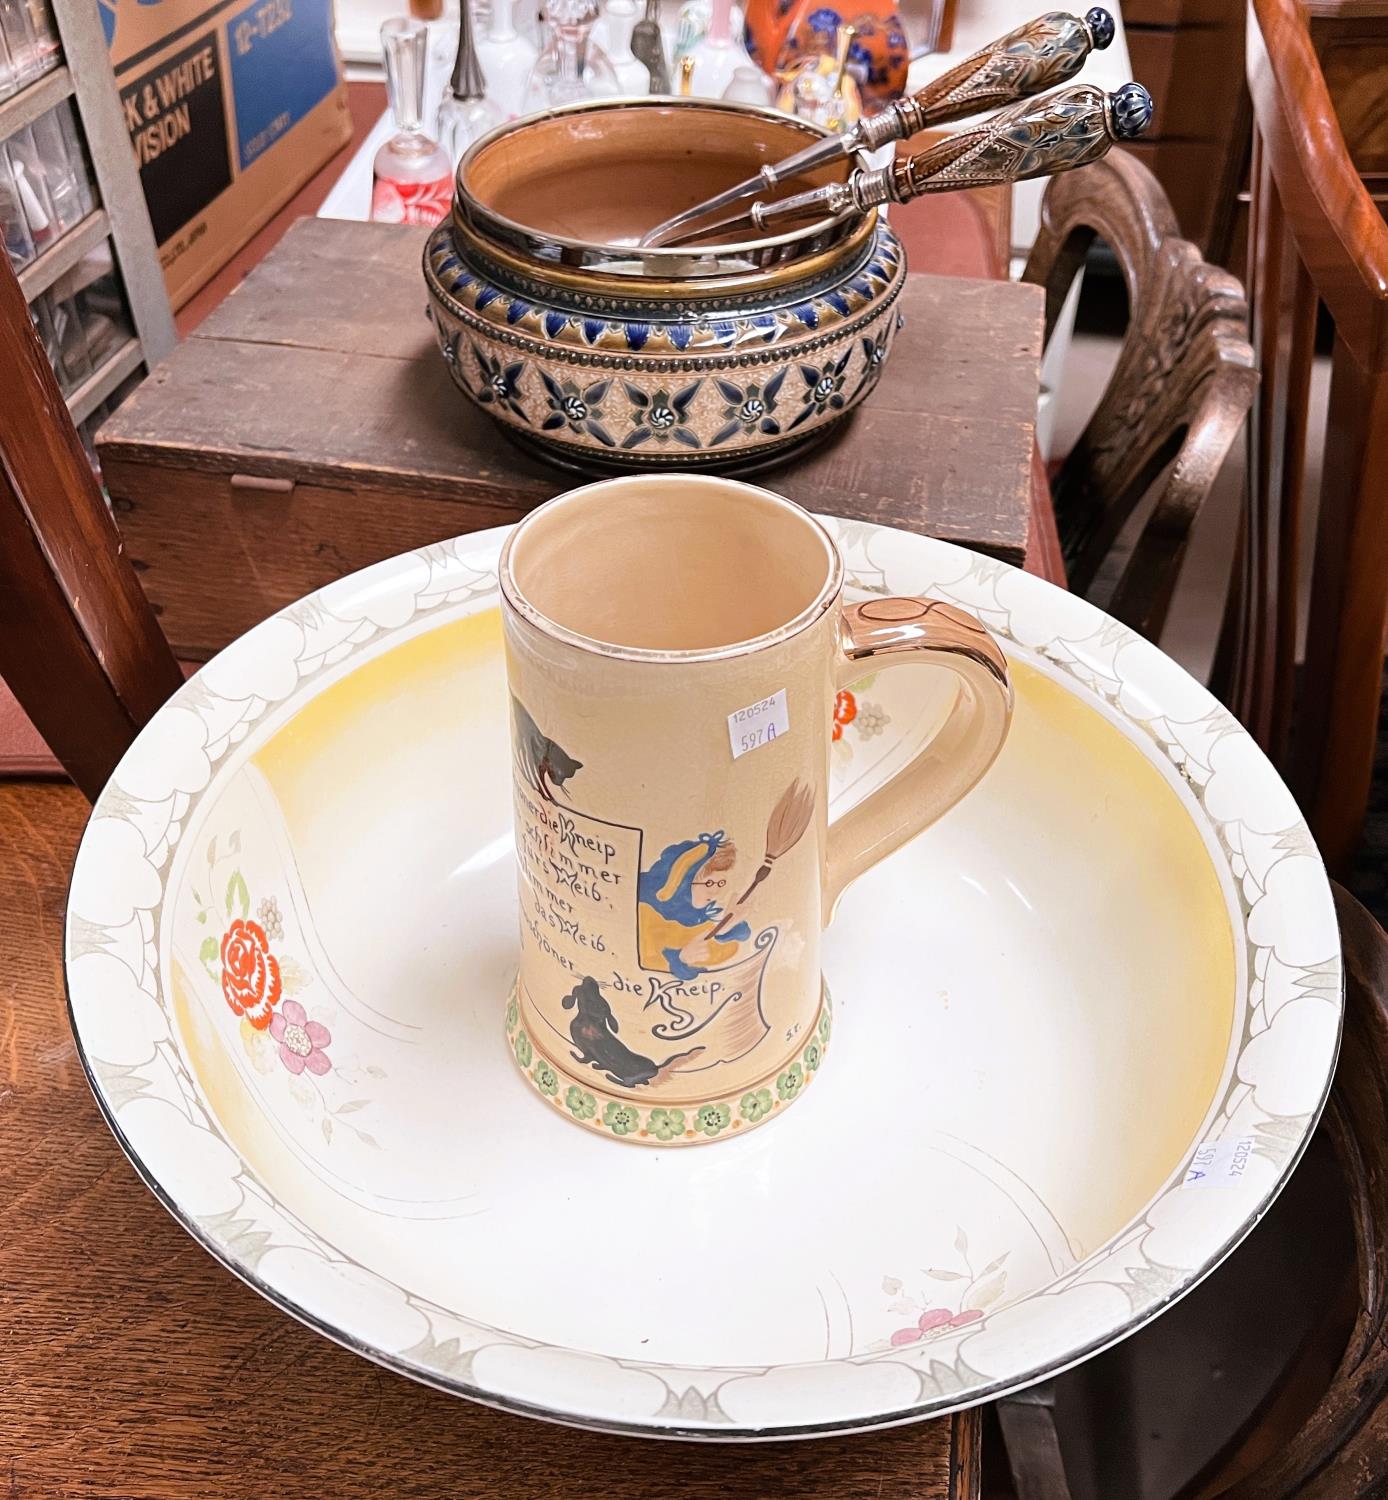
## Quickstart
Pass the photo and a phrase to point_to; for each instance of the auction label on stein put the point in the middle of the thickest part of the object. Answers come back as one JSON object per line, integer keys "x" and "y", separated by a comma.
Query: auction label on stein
{"x": 758, "y": 724}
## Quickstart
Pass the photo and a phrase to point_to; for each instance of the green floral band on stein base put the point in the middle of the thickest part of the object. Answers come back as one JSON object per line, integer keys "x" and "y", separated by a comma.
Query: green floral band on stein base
{"x": 612, "y": 1115}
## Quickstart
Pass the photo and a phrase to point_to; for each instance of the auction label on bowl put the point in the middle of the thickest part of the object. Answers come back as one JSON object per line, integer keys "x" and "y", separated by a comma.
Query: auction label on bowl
{"x": 1220, "y": 1163}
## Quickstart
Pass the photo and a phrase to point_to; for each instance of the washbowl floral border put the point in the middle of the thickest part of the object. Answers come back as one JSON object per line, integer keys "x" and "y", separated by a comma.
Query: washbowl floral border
{"x": 153, "y": 1105}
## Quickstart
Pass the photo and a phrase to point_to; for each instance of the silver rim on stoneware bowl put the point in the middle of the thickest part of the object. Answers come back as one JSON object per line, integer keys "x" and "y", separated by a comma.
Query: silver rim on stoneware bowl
{"x": 661, "y": 265}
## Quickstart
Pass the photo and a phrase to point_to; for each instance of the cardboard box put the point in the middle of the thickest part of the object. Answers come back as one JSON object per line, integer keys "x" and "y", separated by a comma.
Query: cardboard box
{"x": 231, "y": 108}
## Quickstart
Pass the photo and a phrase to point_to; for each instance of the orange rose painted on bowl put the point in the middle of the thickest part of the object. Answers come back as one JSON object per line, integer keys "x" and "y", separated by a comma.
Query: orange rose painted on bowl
{"x": 250, "y": 973}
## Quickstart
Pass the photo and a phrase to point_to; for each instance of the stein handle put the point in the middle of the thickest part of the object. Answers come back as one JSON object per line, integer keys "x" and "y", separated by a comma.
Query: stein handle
{"x": 894, "y": 632}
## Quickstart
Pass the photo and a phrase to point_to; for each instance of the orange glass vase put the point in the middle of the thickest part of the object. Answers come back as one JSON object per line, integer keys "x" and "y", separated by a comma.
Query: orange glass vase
{"x": 781, "y": 32}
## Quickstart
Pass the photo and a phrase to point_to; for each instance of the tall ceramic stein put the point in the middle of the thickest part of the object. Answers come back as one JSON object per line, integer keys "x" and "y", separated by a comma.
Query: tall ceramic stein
{"x": 674, "y": 644}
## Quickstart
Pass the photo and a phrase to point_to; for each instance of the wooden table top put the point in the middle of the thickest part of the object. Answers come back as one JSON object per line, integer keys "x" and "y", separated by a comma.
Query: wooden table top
{"x": 320, "y": 369}
{"x": 308, "y": 428}
{"x": 136, "y": 1368}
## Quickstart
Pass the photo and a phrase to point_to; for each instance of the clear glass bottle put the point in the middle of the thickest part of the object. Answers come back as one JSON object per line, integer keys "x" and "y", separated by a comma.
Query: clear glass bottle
{"x": 821, "y": 87}
{"x": 66, "y": 117}
{"x": 63, "y": 177}
{"x": 464, "y": 111}
{"x": 412, "y": 179}
{"x": 47, "y": 48}
{"x": 40, "y": 312}
{"x": 570, "y": 67}
{"x": 31, "y": 186}
{"x": 14, "y": 223}
{"x": 18, "y": 46}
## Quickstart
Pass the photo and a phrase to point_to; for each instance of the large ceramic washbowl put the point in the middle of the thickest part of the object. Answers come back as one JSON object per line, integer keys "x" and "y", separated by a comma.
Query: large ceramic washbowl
{"x": 1083, "y": 1027}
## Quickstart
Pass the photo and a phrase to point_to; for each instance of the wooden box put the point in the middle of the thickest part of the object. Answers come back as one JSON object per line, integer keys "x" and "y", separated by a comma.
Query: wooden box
{"x": 309, "y": 428}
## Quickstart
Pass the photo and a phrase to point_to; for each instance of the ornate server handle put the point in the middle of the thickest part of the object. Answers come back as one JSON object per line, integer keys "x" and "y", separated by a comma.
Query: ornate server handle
{"x": 1037, "y": 56}
{"x": 1032, "y": 139}
{"x": 1034, "y": 57}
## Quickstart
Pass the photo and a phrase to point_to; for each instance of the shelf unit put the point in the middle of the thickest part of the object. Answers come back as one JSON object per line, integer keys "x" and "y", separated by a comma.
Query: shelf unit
{"x": 118, "y": 220}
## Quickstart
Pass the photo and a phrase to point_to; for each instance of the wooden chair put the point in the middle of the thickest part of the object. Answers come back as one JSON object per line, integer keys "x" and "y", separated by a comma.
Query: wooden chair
{"x": 133, "y": 1363}
{"x": 79, "y": 646}
{"x": 1315, "y": 239}
{"x": 1339, "y": 1451}
{"x": 1178, "y": 395}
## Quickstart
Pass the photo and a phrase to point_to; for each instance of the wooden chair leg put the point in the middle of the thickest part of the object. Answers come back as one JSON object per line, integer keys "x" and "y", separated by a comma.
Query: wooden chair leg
{"x": 79, "y": 646}
{"x": 1231, "y": 646}
{"x": 1283, "y": 331}
{"x": 1343, "y": 676}
{"x": 1253, "y": 660}
{"x": 1033, "y": 1448}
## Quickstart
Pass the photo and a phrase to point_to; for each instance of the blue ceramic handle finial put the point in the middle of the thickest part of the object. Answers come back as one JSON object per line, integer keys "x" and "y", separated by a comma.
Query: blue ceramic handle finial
{"x": 1132, "y": 111}
{"x": 1100, "y": 25}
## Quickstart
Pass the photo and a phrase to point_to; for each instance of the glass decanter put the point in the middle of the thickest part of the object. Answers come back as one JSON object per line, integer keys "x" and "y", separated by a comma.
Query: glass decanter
{"x": 569, "y": 66}
{"x": 412, "y": 179}
{"x": 821, "y": 88}
{"x": 465, "y": 113}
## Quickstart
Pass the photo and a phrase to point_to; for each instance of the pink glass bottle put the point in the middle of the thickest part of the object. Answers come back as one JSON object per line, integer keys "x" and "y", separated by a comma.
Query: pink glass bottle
{"x": 412, "y": 178}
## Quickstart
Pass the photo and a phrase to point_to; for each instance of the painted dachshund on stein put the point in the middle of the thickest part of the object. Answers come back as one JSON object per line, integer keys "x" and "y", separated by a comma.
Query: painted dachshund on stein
{"x": 594, "y": 1033}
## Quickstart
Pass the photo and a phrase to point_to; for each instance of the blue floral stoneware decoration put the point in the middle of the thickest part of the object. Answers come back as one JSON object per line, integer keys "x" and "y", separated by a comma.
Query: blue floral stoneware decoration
{"x": 645, "y": 381}
{"x": 601, "y": 355}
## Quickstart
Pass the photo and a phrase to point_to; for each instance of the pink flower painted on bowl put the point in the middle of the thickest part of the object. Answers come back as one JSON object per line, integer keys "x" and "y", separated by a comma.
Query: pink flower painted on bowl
{"x": 935, "y": 1321}
{"x": 301, "y": 1041}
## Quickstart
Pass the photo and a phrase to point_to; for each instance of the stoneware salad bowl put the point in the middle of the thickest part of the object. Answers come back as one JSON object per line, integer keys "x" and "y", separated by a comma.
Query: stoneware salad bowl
{"x": 601, "y": 356}
{"x": 1082, "y": 1028}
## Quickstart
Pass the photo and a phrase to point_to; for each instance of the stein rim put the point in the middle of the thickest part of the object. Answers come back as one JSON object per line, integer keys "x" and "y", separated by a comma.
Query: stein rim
{"x": 827, "y": 597}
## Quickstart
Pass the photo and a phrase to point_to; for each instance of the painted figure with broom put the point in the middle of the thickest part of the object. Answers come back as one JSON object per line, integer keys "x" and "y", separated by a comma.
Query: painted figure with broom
{"x": 683, "y": 926}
